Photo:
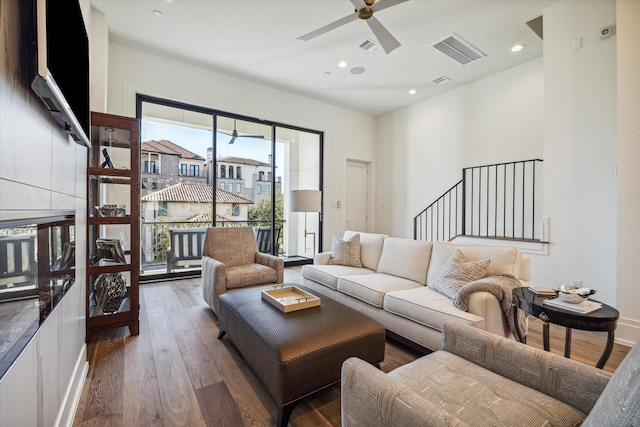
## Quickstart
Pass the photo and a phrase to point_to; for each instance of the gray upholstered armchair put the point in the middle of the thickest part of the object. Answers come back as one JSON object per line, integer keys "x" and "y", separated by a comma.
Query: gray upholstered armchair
{"x": 231, "y": 260}
{"x": 479, "y": 378}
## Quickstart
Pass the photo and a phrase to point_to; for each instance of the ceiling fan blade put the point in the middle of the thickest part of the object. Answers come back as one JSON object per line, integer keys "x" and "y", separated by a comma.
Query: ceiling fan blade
{"x": 234, "y": 134}
{"x": 386, "y": 4}
{"x": 320, "y": 31}
{"x": 358, "y": 4}
{"x": 384, "y": 37}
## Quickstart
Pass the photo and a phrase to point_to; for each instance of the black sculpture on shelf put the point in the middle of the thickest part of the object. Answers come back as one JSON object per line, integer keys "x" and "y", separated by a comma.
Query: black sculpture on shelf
{"x": 107, "y": 160}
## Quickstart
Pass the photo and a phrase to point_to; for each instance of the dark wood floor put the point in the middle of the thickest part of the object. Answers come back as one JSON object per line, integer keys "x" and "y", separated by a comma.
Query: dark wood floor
{"x": 177, "y": 373}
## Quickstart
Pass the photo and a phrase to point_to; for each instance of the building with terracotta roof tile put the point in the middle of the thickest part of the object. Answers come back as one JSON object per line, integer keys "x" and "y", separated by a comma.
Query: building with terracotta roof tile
{"x": 186, "y": 200}
{"x": 164, "y": 163}
{"x": 248, "y": 177}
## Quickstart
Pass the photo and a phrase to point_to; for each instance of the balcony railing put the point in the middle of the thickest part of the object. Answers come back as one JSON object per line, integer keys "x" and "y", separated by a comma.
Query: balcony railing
{"x": 155, "y": 239}
{"x": 199, "y": 174}
{"x": 147, "y": 168}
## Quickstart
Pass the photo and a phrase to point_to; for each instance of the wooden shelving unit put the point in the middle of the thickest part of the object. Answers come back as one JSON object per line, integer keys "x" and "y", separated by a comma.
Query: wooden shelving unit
{"x": 113, "y": 181}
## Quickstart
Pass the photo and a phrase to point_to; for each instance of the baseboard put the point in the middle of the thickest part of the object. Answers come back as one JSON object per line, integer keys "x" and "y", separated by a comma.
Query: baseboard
{"x": 526, "y": 247}
{"x": 627, "y": 332}
{"x": 69, "y": 404}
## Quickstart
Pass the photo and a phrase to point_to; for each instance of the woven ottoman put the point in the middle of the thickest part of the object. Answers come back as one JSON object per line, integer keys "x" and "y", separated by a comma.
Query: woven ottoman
{"x": 298, "y": 353}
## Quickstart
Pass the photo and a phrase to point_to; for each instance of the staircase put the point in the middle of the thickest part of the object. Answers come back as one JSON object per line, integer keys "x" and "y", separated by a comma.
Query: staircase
{"x": 499, "y": 201}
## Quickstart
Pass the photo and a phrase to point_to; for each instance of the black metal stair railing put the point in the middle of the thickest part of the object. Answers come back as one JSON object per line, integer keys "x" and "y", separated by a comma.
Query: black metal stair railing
{"x": 500, "y": 201}
{"x": 443, "y": 219}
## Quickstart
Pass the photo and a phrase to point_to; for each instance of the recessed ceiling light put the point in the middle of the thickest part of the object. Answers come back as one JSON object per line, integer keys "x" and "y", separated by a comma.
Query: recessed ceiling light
{"x": 157, "y": 12}
{"x": 342, "y": 64}
{"x": 412, "y": 92}
{"x": 517, "y": 48}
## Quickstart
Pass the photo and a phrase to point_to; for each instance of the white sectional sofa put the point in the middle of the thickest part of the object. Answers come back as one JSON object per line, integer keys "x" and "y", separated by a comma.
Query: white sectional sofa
{"x": 391, "y": 286}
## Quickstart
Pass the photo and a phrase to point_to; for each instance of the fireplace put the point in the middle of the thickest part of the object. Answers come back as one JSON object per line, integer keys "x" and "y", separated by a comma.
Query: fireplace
{"x": 37, "y": 268}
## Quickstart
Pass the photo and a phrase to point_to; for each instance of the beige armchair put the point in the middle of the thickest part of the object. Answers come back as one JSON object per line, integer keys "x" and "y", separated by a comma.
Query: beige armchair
{"x": 231, "y": 260}
{"x": 479, "y": 378}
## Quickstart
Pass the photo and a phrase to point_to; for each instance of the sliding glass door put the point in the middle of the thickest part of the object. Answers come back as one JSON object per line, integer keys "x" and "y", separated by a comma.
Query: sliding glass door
{"x": 205, "y": 168}
{"x": 300, "y": 163}
{"x": 175, "y": 195}
{"x": 247, "y": 187}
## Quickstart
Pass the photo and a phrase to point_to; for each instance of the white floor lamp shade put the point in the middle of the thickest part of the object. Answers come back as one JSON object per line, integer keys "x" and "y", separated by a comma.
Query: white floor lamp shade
{"x": 307, "y": 201}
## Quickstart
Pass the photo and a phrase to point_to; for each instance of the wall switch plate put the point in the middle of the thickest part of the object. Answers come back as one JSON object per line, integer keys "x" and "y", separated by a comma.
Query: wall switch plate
{"x": 577, "y": 43}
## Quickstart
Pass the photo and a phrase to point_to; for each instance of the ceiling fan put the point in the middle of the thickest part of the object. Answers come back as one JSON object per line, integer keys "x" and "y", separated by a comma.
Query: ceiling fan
{"x": 234, "y": 135}
{"x": 364, "y": 9}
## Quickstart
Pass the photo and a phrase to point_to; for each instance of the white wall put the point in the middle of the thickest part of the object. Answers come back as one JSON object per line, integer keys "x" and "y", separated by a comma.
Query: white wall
{"x": 425, "y": 146}
{"x": 41, "y": 167}
{"x": 579, "y": 190}
{"x": 132, "y": 71}
{"x": 577, "y": 110}
{"x": 628, "y": 233}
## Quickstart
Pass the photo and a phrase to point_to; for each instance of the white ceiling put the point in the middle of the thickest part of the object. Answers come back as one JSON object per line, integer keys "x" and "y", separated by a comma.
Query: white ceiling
{"x": 257, "y": 41}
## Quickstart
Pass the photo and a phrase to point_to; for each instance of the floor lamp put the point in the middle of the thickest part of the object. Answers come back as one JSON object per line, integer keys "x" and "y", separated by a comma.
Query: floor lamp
{"x": 307, "y": 201}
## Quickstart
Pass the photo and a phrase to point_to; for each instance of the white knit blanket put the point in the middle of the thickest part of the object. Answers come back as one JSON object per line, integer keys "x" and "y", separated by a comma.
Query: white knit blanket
{"x": 501, "y": 286}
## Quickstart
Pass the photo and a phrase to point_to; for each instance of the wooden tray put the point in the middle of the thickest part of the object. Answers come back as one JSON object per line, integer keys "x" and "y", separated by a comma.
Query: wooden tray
{"x": 290, "y": 298}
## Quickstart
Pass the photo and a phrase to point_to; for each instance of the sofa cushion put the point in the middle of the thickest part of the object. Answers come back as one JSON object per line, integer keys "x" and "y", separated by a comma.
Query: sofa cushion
{"x": 427, "y": 307}
{"x": 328, "y": 275}
{"x": 478, "y": 396}
{"x": 457, "y": 272}
{"x": 503, "y": 260}
{"x": 346, "y": 252}
{"x": 370, "y": 248}
{"x": 405, "y": 258}
{"x": 371, "y": 288}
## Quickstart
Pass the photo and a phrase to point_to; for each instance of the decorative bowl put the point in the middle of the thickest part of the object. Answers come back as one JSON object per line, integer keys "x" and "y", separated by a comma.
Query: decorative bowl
{"x": 573, "y": 295}
{"x": 111, "y": 210}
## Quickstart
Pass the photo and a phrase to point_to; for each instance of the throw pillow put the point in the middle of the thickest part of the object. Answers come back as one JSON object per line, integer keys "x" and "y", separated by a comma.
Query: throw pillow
{"x": 346, "y": 252}
{"x": 457, "y": 272}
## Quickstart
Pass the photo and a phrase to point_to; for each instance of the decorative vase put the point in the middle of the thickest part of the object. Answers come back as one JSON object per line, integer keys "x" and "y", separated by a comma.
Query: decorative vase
{"x": 110, "y": 289}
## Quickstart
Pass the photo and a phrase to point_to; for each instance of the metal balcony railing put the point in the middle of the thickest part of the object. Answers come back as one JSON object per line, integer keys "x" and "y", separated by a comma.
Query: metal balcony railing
{"x": 155, "y": 238}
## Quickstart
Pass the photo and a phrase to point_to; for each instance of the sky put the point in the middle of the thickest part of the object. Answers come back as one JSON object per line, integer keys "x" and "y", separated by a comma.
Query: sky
{"x": 198, "y": 140}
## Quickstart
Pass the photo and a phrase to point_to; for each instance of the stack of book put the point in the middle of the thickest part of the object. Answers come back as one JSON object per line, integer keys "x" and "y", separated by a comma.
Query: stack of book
{"x": 583, "y": 307}
{"x": 542, "y": 292}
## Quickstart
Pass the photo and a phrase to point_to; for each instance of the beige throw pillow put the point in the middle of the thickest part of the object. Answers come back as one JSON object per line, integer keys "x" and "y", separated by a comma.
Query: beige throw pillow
{"x": 457, "y": 272}
{"x": 346, "y": 252}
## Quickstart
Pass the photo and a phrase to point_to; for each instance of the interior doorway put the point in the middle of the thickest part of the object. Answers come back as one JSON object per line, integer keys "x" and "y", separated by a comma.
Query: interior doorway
{"x": 357, "y": 205}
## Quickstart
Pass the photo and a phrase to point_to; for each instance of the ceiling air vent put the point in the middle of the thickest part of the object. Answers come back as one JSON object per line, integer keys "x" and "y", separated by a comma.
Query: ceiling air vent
{"x": 368, "y": 45}
{"x": 440, "y": 80}
{"x": 457, "y": 48}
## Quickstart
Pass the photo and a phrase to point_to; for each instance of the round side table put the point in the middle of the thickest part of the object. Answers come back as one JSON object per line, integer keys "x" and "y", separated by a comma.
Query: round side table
{"x": 603, "y": 320}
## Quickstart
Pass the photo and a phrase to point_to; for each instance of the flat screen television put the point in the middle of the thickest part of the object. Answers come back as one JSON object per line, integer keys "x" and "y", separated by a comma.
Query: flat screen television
{"x": 62, "y": 76}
